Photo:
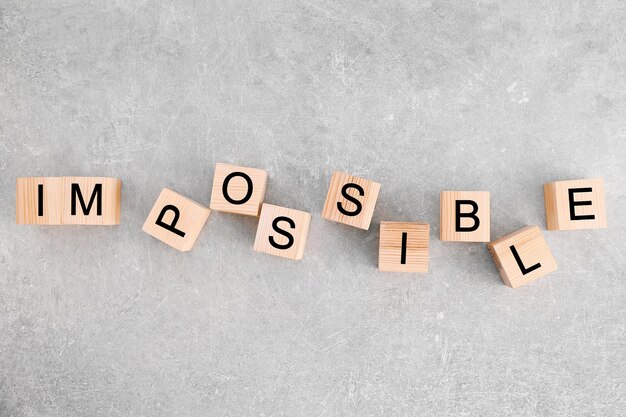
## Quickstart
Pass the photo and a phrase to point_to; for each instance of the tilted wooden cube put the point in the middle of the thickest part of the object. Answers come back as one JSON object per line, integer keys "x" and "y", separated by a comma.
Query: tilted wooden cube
{"x": 68, "y": 201}
{"x": 465, "y": 216}
{"x": 575, "y": 204}
{"x": 238, "y": 190}
{"x": 282, "y": 231}
{"x": 522, "y": 256}
{"x": 176, "y": 220}
{"x": 351, "y": 200}
{"x": 403, "y": 247}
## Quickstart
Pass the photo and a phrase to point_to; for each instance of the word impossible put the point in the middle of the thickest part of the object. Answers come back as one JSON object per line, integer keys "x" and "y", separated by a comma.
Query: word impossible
{"x": 521, "y": 256}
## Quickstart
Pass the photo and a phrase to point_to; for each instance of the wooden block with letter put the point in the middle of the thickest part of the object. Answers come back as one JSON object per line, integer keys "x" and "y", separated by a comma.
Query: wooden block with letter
{"x": 464, "y": 216}
{"x": 351, "y": 200}
{"x": 68, "y": 200}
{"x": 522, "y": 256}
{"x": 282, "y": 231}
{"x": 239, "y": 190}
{"x": 91, "y": 200}
{"x": 39, "y": 200}
{"x": 575, "y": 204}
{"x": 176, "y": 220}
{"x": 403, "y": 247}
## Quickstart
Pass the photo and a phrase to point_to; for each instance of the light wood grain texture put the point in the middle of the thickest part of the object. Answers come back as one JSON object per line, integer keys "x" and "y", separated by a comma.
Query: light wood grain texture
{"x": 299, "y": 230}
{"x": 238, "y": 190}
{"x": 92, "y": 201}
{"x": 368, "y": 200}
{"x": 557, "y": 202}
{"x": 448, "y": 216}
{"x": 531, "y": 248}
{"x": 390, "y": 254}
{"x": 28, "y": 203}
{"x": 191, "y": 218}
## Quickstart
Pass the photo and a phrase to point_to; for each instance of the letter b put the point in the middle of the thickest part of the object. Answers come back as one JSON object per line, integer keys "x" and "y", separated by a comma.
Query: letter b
{"x": 465, "y": 216}
{"x": 471, "y": 215}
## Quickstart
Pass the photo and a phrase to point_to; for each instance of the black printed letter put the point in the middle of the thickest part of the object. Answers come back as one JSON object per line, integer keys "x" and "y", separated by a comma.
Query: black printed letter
{"x": 521, "y": 264}
{"x": 471, "y": 215}
{"x": 171, "y": 227}
{"x": 96, "y": 196}
{"x": 573, "y": 204}
{"x": 403, "y": 253}
{"x": 357, "y": 203}
{"x": 39, "y": 199}
{"x": 280, "y": 231}
{"x": 225, "y": 187}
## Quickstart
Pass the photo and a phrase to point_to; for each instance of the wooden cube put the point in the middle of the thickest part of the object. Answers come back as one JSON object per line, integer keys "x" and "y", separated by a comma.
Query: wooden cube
{"x": 282, "y": 231}
{"x": 465, "y": 216}
{"x": 575, "y": 204}
{"x": 403, "y": 247}
{"x": 176, "y": 220}
{"x": 68, "y": 201}
{"x": 238, "y": 190}
{"x": 92, "y": 200}
{"x": 39, "y": 200}
{"x": 522, "y": 256}
{"x": 351, "y": 200}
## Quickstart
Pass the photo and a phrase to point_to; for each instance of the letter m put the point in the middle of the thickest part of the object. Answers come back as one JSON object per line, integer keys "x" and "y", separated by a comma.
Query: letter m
{"x": 96, "y": 196}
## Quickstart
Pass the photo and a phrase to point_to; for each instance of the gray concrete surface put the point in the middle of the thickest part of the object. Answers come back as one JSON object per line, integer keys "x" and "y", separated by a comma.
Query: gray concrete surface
{"x": 420, "y": 96}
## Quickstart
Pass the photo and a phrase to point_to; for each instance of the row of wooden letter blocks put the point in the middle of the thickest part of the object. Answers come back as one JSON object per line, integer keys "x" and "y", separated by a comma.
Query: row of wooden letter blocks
{"x": 521, "y": 256}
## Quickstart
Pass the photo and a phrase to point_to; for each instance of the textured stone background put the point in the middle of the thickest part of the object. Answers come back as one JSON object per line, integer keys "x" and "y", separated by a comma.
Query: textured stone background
{"x": 420, "y": 96}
